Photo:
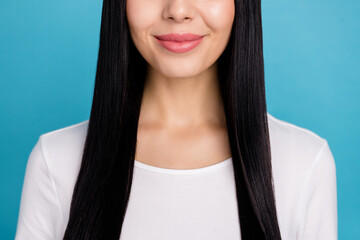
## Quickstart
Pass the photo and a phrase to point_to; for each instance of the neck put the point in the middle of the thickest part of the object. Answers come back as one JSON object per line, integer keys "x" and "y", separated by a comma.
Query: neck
{"x": 182, "y": 102}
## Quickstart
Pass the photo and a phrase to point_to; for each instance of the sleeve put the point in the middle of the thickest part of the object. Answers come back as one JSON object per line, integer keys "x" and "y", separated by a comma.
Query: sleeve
{"x": 39, "y": 212}
{"x": 319, "y": 212}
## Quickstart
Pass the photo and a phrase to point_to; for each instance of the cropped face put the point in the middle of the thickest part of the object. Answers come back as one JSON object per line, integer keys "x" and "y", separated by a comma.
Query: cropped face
{"x": 180, "y": 38}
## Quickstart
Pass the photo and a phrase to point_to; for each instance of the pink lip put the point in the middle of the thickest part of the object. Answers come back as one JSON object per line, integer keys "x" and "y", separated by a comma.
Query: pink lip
{"x": 179, "y": 43}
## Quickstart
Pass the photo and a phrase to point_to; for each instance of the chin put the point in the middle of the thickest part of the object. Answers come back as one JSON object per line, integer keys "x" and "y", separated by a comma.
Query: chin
{"x": 177, "y": 72}
{"x": 180, "y": 69}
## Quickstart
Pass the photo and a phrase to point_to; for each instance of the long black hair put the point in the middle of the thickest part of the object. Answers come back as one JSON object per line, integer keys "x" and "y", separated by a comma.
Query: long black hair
{"x": 103, "y": 186}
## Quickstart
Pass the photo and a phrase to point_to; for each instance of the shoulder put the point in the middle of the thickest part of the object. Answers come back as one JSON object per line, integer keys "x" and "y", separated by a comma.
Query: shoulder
{"x": 295, "y": 153}
{"x": 292, "y": 141}
{"x": 73, "y": 134}
{"x": 62, "y": 148}
{"x": 281, "y": 128}
{"x": 296, "y": 150}
{"x": 50, "y": 176}
{"x": 64, "y": 143}
{"x": 302, "y": 162}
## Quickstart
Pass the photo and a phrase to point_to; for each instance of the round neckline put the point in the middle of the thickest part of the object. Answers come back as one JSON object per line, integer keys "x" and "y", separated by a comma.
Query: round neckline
{"x": 182, "y": 171}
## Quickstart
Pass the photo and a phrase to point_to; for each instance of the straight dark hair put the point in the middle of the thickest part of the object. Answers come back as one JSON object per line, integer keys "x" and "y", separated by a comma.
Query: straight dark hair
{"x": 103, "y": 186}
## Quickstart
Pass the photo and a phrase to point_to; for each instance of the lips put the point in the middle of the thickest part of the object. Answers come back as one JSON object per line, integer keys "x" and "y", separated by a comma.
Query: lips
{"x": 179, "y": 37}
{"x": 179, "y": 43}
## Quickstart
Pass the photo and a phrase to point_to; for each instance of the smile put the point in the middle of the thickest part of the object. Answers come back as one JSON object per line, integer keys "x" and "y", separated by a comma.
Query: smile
{"x": 179, "y": 43}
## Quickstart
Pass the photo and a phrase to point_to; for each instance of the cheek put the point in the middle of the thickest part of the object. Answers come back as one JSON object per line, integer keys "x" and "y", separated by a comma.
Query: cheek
{"x": 218, "y": 14}
{"x": 141, "y": 14}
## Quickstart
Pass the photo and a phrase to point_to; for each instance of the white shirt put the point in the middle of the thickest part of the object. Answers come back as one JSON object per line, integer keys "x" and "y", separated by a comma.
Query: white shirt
{"x": 191, "y": 204}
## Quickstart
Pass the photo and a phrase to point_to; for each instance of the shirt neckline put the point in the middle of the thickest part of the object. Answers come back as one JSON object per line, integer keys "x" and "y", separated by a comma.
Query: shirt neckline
{"x": 183, "y": 171}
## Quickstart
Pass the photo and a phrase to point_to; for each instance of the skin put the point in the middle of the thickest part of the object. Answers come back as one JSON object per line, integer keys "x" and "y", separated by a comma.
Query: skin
{"x": 182, "y": 121}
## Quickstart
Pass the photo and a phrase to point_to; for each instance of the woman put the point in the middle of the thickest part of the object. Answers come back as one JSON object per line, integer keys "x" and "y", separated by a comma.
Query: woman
{"x": 179, "y": 144}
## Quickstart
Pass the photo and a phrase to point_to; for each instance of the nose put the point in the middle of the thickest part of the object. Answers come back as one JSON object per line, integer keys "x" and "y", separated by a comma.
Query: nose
{"x": 178, "y": 10}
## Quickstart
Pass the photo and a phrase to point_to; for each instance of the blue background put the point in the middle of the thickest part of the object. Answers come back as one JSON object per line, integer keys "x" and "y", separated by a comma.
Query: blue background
{"x": 48, "y": 54}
